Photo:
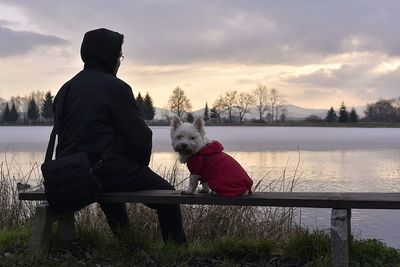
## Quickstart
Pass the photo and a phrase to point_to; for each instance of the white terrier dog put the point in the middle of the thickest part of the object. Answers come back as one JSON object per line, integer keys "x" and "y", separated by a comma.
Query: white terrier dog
{"x": 206, "y": 162}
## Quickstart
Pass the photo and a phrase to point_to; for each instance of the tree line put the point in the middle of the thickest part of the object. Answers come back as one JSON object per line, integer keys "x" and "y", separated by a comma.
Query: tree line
{"x": 269, "y": 103}
{"x": 343, "y": 115}
{"x": 381, "y": 111}
{"x": 384, "y": 110}
{"x": 270, "y": 106}
{"x": 37, "y": 108}
{"x": 231, "y": 106}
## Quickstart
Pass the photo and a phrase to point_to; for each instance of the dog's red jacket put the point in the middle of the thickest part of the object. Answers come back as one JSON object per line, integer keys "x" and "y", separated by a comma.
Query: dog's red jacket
{"x": 223, "y": 173}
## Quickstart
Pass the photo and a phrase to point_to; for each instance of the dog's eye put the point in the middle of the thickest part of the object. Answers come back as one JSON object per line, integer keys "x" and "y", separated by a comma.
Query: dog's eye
{"x": 179, "y": 137}
{"x": 192, "y": 137}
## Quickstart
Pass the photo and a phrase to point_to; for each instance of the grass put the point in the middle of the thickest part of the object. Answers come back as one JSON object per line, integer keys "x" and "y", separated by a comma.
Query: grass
{"x": 218, "y": 235}
{"x": 12, "y": 211}
{"x": 373, "y": 252}
{"x": 92, "y": 248}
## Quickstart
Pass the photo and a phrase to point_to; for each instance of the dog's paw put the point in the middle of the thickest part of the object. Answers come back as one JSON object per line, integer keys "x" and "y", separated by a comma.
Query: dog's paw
{"x": 203, "y": 190}
{"x": 186, "y": 192}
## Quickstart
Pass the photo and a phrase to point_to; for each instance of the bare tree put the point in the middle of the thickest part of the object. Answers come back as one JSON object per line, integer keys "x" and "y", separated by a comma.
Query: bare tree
{"x": 243, "y": 102}
{"x": 217, "y": 109}
{"x": 396, "y": 105}
{"x": 277, "y": 102}
{"x": 229, "y": 100}
{"x": 37, "y": 95}
{"x": 165, "y": 115}
{"x": 283, "y": 115}
{"x": 281, "y": 111}
{"x": 261, "y": 100}
{"x": 179, "y": 103}
{"x": 382, "y": 110}
{"x": 273, "y": 101}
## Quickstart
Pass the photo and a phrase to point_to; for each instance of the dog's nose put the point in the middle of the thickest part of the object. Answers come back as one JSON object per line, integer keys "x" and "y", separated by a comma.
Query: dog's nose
{"x": 184, "y": 145}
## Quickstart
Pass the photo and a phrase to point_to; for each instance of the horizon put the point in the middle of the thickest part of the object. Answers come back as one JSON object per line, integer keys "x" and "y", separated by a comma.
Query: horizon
{"x": 318, "y": 54}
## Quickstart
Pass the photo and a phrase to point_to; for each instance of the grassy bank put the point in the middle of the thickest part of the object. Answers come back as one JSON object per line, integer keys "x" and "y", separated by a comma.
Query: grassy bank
{"x": 218, "y": 235}
{"x": 92, "y": 248}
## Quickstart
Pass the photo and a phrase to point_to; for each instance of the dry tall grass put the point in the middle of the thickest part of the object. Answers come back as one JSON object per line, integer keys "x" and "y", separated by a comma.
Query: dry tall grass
{"x": 12, "y": 211}
{"x": 210, "y": 222}
{"x": 200, "y": 222}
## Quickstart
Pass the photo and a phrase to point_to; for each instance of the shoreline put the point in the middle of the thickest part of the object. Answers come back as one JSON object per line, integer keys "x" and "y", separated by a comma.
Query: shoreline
{"x": 262, "y": 124}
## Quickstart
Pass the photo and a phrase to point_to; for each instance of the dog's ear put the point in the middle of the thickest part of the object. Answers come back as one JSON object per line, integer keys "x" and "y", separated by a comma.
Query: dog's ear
{"x": 199, "y": 124}
{"x": 175, "y": 123}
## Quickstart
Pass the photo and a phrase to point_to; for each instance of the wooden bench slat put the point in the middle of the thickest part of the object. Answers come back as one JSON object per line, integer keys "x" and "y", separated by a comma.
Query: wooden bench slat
{"x": 347, "y": 200}
{"x": 340, "y": 203}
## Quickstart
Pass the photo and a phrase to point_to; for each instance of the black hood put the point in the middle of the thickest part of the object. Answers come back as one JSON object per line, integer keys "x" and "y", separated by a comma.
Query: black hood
{"x": 101, "y": 49}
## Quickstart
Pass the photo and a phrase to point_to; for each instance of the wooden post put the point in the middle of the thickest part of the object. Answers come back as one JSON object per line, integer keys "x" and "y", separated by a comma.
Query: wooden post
{"x": 340, "y": 237}
{"x": 41, "y": 228}
{"x": 66, "y": 227}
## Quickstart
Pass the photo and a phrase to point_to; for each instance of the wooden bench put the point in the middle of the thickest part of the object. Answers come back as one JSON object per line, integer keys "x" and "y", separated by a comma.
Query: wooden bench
{"x": 340, "y": 203}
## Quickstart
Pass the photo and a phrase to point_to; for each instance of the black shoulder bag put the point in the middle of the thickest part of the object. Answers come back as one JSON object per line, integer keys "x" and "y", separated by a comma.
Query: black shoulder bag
{"x": 69, "y": 181}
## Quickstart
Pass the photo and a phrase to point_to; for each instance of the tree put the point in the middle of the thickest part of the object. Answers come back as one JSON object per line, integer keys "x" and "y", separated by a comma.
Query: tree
{"x": 343, "y": 114}
{"x": 314, "y": 118}
{"x": 165, "y": 115}
{"x": 353, "y": 115}
{"x": 14, "y": 116}
{"x": 229, "y": 101}
{"x": 179, "y": 103}
{"x": 21, "y": 105}
{"x": 47, "y": 107}
{"x": 189, "y": 117}
{"x": 33, "y": 110}
{"x": 38, "y": 96}
{"x": 149, "y": 110}
{"x": 214, "y": 113}
{"x": 261, "y": 100}
{"x": 6, "y": 114}
{"x": 284, "y": 112}
{"x": 218, "y": 109}
{"x": 243, "y": 102}
{"x": 140, "y": 104}
{"x": 383, "y": 110}
{"x": 276, "y": 102}
{"x": 206, "y": 115}
{"x": 331, "y": 115}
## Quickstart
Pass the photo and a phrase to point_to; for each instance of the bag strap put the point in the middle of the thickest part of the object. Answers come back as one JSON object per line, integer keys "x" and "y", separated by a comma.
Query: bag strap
{"x": 58, "y": 109}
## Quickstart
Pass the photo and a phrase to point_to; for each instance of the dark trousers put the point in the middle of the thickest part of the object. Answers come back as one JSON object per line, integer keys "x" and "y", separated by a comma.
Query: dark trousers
{"x": 169, "y": 216}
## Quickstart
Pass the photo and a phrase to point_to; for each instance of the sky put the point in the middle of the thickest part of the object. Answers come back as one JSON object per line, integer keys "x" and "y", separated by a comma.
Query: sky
{"x": 316, "y": 53}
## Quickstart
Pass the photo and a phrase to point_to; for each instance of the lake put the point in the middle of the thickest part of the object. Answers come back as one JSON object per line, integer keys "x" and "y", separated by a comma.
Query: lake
{"x": 326, "y": 159}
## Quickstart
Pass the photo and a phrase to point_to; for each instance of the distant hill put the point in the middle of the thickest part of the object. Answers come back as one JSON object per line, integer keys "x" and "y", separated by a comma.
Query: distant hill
{"x": 293, "y": 112}
{"x": 296, "y": 112}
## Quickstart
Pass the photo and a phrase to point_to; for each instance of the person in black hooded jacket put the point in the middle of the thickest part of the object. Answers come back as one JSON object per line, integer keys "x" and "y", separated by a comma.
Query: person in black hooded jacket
{"x": 100, "y": 117}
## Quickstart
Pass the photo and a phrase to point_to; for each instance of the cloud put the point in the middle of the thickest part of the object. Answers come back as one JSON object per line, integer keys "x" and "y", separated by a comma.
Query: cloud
{"x": 347, "y": 76}
{"x": 20, "y": 42}
{"x": 387, "y": 85}
{"x": 234, "y": 31}
{"x": 331, "y": 48}
{"x": 360, "y": 79}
